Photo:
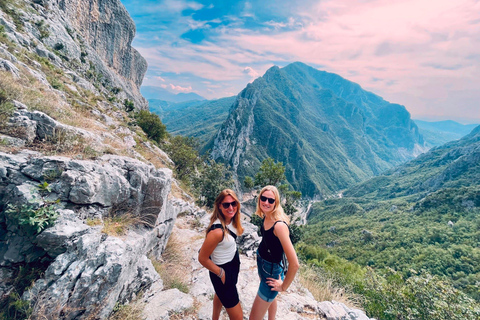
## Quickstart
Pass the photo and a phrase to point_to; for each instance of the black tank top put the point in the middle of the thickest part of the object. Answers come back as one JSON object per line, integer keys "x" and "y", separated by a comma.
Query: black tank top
{"x": 270, "y": 247}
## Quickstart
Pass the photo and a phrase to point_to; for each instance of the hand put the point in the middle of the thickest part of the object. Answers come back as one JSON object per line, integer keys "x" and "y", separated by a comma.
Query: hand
{"x": 223, "y": 278}
{"x": 275, "y": 284}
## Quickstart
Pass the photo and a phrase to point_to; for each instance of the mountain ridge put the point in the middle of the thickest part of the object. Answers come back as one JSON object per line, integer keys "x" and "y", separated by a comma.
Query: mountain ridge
{"x": 308, "y": 120}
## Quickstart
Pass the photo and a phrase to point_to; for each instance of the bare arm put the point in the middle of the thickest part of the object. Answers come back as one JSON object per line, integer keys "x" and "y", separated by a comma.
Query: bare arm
{"x": 283, "y": 234}
{"x": 211, "y": 241}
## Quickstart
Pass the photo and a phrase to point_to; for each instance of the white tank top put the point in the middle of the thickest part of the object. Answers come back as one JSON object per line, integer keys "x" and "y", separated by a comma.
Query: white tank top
{"x": 226, "y": 249}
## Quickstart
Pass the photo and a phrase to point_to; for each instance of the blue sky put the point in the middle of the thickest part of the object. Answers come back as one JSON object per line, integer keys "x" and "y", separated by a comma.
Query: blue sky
{"x": 423, "y": 54}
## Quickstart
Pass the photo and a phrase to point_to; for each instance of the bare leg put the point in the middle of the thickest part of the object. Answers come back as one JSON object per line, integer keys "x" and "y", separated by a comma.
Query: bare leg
{"x": 217, "y": 307}
{"x": 259, "y": 308}
{"x": 236, "y": 312}
{"x": 272, "y": 310}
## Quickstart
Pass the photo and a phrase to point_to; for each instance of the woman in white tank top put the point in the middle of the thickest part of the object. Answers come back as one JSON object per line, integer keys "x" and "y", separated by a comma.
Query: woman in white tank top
{"x": 219, "y": 254}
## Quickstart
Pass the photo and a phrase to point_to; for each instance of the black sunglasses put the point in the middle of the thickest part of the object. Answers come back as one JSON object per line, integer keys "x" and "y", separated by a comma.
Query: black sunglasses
{"x": 270, "y": 200}
{"x": 226, "y": 205}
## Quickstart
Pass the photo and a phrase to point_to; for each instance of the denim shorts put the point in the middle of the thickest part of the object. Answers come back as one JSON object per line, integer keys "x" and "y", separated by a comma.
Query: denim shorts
{"x": 267, "y": 269}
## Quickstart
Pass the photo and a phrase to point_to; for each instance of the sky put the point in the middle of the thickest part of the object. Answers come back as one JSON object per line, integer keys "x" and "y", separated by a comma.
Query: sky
{"x": 423, "y": 54}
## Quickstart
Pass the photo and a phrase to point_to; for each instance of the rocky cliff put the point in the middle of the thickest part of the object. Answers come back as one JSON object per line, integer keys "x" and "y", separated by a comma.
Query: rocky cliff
{"x": 92, "y": 39}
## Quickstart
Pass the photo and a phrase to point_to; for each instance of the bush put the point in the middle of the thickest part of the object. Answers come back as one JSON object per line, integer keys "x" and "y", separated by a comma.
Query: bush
{"x": 183, "y": 152}
{"x": 129, "y": 106}
{"x": 151, "y": 125}
{"x": 32, "y": 220}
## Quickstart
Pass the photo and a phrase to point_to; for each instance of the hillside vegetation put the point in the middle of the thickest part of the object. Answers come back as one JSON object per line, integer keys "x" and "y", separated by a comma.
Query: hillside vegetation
{"x": 418, "y": 220}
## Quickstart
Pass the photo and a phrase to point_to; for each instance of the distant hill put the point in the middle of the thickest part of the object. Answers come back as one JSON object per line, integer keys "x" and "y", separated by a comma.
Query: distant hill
{"x": 328, "y": 132}
{"x": 199, "y": 119}
{"x": 158, "y": 93}
{"x": 422, "y": 216}
{"x": 441, "y": 132}
{"x": 452, "y": 165}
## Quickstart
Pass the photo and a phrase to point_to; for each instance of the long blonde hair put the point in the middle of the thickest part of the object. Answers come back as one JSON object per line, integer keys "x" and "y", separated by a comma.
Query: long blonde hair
{"x": 217, "y": 213}
{"x": 277, "y": 213}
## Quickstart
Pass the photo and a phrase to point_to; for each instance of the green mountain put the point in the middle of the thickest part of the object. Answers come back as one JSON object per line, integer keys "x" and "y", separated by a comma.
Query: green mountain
{"x": 453, "y": 165}
{"x": 328, "y": 132}
{"x": 199, "y": 119}
{"x": 440, "y": 132}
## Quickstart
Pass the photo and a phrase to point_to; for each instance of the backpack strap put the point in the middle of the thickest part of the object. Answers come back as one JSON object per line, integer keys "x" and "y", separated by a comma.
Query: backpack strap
{"x": 219, "y": 226}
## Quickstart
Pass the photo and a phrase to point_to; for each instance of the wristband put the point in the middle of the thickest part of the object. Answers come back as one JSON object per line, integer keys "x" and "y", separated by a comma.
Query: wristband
{"x": 221, "y": 273}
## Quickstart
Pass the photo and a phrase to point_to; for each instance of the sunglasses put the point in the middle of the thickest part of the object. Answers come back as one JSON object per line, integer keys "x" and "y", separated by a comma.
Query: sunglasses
{"x": 270, "y": 200}
{"x": 226, "y": 205}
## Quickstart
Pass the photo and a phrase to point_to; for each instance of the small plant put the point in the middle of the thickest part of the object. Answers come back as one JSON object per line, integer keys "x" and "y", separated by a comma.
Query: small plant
{"x": 31, "y": 219}
{"x": 55, "y": 83}
{"x": 52, "y": 175}
{"x": 116, "y": 90}
{"x": 129, "y": 106}
{"x": 44, "y": 187}
{"x": 70, "y": 32}
{"x": 58, "y": 46}
{"x": 83, "y": 54}
{"x": 16, "y": 307}
{"x": 43, "y": 29}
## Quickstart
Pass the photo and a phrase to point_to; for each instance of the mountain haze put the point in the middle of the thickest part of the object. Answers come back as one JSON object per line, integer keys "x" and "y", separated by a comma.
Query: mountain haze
{"x": 159, "y": 93}
{"x": 199, "y": 119}
{"x": 328, "y": 132}
{"x": 440, "y": 132}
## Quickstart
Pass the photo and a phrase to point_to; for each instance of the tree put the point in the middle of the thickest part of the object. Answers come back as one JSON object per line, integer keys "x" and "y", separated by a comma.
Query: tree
{"x": 291, "y": 198}
{"x": 151, "y": 125}
{"x": 183, "y": 152}
{"x": 270, "y": 173}
{"x": 211, "y": 179}
{"x": 248, "y": 183}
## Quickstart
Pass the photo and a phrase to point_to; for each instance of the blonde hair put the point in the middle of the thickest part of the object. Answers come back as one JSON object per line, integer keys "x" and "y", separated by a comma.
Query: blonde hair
{"x": 217, "y": 213}
{"x": 277, "y": 213}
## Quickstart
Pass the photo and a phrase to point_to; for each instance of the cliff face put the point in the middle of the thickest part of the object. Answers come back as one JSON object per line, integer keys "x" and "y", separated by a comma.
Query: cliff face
{"x": 109, "y": 30}
{"x": 91, "y": 39}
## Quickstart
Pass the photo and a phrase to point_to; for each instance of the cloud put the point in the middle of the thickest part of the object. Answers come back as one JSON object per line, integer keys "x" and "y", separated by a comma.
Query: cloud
{"x": 417, "y": 48}
{"x": 179, "y": 88}
{"x": 251, "y": 72}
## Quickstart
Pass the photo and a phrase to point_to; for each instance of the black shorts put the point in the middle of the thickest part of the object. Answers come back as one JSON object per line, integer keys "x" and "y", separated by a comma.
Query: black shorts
{"x": 227, "y": 293}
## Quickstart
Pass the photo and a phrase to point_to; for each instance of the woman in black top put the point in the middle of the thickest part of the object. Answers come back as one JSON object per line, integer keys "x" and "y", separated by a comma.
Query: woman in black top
{"x": 275, "y": 242}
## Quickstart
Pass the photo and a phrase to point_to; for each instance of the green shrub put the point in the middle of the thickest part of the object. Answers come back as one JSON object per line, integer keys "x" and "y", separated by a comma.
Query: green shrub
{"x": 151, "y": 125}
{"x": 183, "y": 152}
{"x": 129, "y": 106}
{"x": 58, "y": 46}
{"x": 32, "y": 220}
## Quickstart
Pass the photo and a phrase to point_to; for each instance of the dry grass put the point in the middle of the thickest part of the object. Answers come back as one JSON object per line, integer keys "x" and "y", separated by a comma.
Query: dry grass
{"x": 118, "y": 226}
{"x": 131, "y": 311}
{"x": 190, "y": 313}
{"x": 174, "y": 267}
{"x": 323, "y": 288}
